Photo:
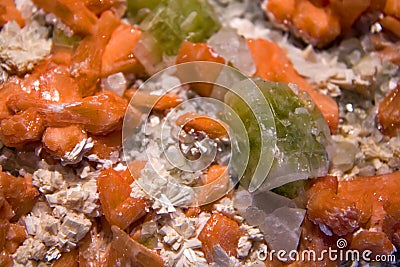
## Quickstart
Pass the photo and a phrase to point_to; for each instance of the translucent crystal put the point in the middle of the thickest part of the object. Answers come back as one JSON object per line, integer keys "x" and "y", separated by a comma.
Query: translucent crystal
{"x": 171, "y": 22}
{"x": 277, "y": 216}
{"x": 301, "y": 135}
{"x": 233, "y": 47}
{"x": 282, "y": 228}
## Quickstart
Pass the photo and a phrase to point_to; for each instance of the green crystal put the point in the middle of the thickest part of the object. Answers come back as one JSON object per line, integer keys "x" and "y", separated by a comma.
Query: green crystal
{"x": 292, "y": 189}
{"x": 63, "y": 41}
{"x": 301, "y": 135}
{"x": 172, "y": 22}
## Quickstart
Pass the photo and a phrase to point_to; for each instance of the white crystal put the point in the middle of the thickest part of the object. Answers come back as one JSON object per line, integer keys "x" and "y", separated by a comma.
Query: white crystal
{"x": 115, "y": 82}
{"x": 73, "y": 228}
{"x": 76, "y": 154}
{"x": 48, "y": 181}
{"x": 233, "y": 48}
{"x": 22, "y": 48}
